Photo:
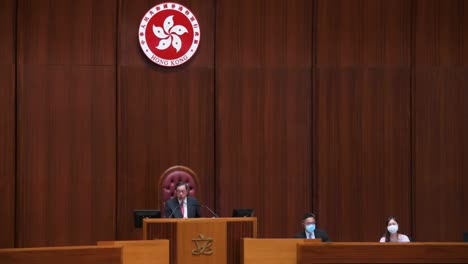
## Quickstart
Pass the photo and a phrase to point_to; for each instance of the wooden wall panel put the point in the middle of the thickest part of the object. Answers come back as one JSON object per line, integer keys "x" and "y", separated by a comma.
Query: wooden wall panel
{"x": 362, "y": 111}
{"x": 441, "y": 120}
{"x": 8, "y": 32}
{"x": 440, "y": 33}
{"x": 363, "y": 153}
{"x": 66, "y": 122}
{"x": 363, "y": 33}
{"x": 7, "y": 154}
{"x": 165, "y": 116}
{"x": 7, "y": 122}
{"x": 263, "y": 113}
{"x": 66, "y": 155}
{"x": 440, "y": 154}
{"x": 67, "y": 32}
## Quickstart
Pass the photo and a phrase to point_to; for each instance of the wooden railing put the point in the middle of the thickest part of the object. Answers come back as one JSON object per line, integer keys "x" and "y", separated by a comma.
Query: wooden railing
{"x": 62, "y": 255}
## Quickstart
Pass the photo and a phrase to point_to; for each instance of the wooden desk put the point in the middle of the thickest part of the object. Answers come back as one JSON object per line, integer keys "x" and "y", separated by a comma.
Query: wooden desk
{"x": 62, "y": 255}
{"x": 142, "y": 251}
{"x": 272, "y": 251}
{"x": 202, "y": 240}
{"x": 382, "y": 253}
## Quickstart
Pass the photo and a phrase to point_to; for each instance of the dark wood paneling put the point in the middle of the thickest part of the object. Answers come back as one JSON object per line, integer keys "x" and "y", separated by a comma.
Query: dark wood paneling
{"x": 362, "y": 128}
{"x": 363, "y": 33}
{"x": 66, "y": 155}
{"x": 66, "y": 122}
{"x": 7, "y": 155}
{"x": 67, "y": 32}
{"x": 441, "y": 120}
{"x": 363, "y": 154}
{"x": 8, "y": 31}
{"x": 441, "y": 126}
{"x": 165, "y": 116}
{"x": 263, "y": 113}
{"x": 441, "y": 33}
{"x": 7, "y": 122}
{"x": 236, "y": 231}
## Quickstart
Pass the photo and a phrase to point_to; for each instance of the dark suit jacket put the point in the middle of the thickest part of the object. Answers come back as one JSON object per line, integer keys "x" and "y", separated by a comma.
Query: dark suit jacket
{"x": 193, "y": 208}
{"x": 319, "y": 233}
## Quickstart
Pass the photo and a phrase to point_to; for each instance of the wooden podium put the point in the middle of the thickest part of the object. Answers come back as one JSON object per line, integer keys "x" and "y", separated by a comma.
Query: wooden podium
{"x": 202, "y": 240}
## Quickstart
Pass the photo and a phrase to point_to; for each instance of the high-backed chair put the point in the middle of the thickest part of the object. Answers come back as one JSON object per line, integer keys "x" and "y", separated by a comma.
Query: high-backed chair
{"x": 171, "y": 177}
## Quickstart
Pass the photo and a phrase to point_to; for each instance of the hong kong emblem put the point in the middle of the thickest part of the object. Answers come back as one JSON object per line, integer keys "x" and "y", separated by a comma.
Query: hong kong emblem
{"x": 169, "y": 34}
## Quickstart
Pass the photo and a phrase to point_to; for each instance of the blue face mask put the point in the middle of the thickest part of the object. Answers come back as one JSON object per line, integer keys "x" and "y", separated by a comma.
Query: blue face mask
{"x": 310, "y": 228}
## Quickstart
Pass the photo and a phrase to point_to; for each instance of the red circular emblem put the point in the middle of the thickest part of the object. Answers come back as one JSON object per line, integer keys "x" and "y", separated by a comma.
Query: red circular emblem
{"x": 169, "y": 34}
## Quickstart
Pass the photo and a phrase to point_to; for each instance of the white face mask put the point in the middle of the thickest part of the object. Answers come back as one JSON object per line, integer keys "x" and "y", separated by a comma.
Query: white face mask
{"x": 392, "y": 229}
{"x": 310, "y": 228}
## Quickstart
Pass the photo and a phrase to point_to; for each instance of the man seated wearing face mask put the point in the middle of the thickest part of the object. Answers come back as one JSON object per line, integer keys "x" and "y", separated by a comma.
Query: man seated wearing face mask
{"x": 391, "y": 234}
{"x": 310, "y": 232}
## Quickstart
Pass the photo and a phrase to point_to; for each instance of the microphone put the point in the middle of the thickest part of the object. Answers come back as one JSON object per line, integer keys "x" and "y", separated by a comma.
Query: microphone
{"x": 211, "y": 211}
{"x": 181, "y": 204}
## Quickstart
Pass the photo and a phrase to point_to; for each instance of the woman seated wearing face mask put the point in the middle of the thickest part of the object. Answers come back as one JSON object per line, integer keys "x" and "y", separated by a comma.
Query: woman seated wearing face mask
{"x": 392, "y": 235}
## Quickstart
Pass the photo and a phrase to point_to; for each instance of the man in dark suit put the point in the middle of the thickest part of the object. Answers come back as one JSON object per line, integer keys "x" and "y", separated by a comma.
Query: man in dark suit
{"x": 310, "y": 232}
{"x": 182, "y": 205}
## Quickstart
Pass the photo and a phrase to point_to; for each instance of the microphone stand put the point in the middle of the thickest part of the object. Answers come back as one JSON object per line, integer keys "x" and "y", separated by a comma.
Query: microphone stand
{"x": 211, "y": 211}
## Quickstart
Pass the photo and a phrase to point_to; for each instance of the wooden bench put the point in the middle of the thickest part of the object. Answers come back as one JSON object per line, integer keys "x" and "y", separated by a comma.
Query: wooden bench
{"x": 382, "y": 253}
{"x": 62, "y": 255}
{"x": 143, "y": 251}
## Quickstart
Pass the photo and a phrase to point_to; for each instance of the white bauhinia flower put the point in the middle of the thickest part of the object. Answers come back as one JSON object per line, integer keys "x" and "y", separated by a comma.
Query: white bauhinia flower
{"x": 159, "y": 32}
{"x": 164, "y": 44}
{"x": 169, "y": 35}
{"x": 179, "y": 30}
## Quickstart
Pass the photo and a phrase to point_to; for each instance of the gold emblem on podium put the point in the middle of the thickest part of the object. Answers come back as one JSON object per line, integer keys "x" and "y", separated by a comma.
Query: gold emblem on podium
{"x": 203, "y": 245}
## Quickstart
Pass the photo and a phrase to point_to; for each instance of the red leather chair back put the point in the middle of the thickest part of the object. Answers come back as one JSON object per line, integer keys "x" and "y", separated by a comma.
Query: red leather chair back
{"x": 171, "y": 177}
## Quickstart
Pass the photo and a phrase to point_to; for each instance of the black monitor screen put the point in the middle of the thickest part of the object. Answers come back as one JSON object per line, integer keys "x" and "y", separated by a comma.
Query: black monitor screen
{"x": 139, "y": 215}
{"x": 243, "y": 212}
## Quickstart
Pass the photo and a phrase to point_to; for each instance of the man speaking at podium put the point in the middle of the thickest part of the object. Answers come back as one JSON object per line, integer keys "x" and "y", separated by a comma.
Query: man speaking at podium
{"x": 182, "y": 205}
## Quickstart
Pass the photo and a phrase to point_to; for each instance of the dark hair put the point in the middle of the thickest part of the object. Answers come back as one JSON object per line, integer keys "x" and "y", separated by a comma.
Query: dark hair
{"x": 387, "y": 234}
{"x": 187, "y": 188}
{"x": 307, "y": 215}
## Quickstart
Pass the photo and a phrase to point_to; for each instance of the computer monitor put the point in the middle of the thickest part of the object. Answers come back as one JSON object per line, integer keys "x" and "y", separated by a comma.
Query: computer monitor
{"x": 465, "y": 237}
{"x": 139, "y": 215}
{"x": 242, "y": 212}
